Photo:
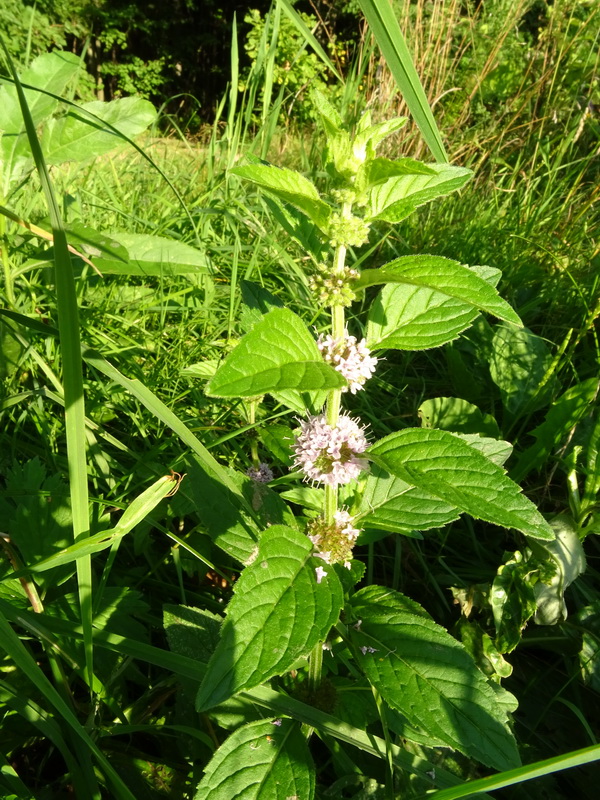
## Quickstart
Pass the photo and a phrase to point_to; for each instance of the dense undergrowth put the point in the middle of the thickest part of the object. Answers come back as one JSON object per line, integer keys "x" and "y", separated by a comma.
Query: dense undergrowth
{"x": 519, "y": 106}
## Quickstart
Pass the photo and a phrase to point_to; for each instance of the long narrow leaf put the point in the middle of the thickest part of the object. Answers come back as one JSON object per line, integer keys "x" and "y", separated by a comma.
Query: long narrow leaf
{"x": 163, "y": 413}
{"x": 297, "y": 20}
{"x": 385, "y": 28}
{"x": 24, "y": 662}
{"x": 70, "y": 345}
{"x": 537, "y": 770}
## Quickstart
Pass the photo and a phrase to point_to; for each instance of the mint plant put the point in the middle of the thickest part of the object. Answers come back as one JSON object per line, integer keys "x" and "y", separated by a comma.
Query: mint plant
{"x": 296, "y": 593}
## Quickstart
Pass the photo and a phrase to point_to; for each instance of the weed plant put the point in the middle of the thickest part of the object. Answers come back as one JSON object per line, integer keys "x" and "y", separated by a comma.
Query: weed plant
{"x": 99, "y": 687}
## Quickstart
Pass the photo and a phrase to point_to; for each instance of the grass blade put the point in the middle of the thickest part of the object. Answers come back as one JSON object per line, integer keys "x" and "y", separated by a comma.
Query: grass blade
{"x": 537, "y": 770}
{"x": 303, "y": 29}
{"x": 70, "y": 346}
{"x": 385, "y": 28}
{"x": 16, "y": 650}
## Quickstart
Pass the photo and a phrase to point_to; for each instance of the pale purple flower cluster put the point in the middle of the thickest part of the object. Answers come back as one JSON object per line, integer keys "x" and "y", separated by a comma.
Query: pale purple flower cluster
{"x": 330, "y": 455}
{"x": 333, "y": 543}
{"x": 350, "y": 357}
{"x": 261, "y": 474}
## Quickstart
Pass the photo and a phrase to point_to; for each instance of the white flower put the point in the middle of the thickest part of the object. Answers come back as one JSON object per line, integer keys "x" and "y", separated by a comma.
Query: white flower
{"x": 320, "y": 573}
{"x": 330, "y": 455}
{"x": 351, "y": 358}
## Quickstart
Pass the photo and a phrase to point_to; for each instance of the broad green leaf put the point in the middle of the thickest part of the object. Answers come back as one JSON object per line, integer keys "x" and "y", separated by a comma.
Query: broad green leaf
{"x": 191, "y": 632}
{"x": 305, "y": 496}
{"x": 446, "y": 466}
{"x": 564, "y": 414}
{"x": 93, "y": 243}
{"x": 457, "y": 415}
{"x": 256, "y": 301}
{"x": 277, "y": 614}
{"x": 204, "y": 369}
{"x": 263, "y": 760}
{"x": 290, "y": 186}
{"x": 278, "y": 353}
{"x": 444, "y": 276}
{"x": 369, "y": 136}
{"x": 302, "y": 402}
{"x": 51, "y": 72}
{"x": 278, "y": 439}
{"x": 78, "y": 135}
{"x": 567, "y": 559}
{"x": 482, "y": 649}
{"x": 379, "y": 170}
{"x": 151, "y": 255}
{"x": 512, "y": 600}
{"x": 388, "y": 503}
{"x": 497, "y": 450}
{"x": 398, "y": 197}
{"x": 519, "y": 362}
{"x": 417, "y": 318}
{"x": 421, "y": 671}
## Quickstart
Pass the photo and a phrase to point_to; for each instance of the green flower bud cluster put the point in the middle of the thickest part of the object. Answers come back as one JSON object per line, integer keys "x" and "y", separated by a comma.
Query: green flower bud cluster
{"x": 333, "y": 288}
{"x": 347, "y": 231}
{"x": 343, "y": 196}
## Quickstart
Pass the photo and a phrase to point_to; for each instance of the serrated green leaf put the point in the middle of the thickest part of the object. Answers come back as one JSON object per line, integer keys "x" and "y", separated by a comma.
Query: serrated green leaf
{"x": 277, "y": 614}
{"x": 415, "y": 318}
{"x": 518, "y": 364}
{"x": 446, "y": 466}
{"x": 151, "y": 255}
{"x": 290, "y": 186}
{"x": 428, "y": 676}
{"x": 278, "y": 353}
{"x": 78, "y": 135}
{"x": 390, "y": 504}
{"x": 444, "y": 276}
{"x": 497, "y": 450}
{"x": 398, "y": 197}
{"x": 379, "y": 170}
{"x": 368, "y": 136}
{"x": 260, "y": 761}
{"x": 256, "y": 301}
